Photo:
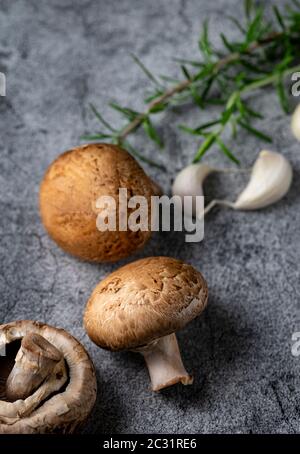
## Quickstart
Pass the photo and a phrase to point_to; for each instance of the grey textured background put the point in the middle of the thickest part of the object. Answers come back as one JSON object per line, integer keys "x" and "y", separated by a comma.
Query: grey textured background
{"x": 58, "y": 56}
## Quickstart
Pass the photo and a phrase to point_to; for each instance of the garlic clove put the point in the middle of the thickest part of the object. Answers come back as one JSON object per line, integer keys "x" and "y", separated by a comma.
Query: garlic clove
{"x": 189, "y": 181}
{"x": 270, "y": 180}
{"x": 295, "y": 123}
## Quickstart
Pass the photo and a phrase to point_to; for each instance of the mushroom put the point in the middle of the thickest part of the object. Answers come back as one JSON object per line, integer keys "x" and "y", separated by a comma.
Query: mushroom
{"x": 68, "y": 201}
{"x": 140, "y": 306}
{"x": 47, "y": 380}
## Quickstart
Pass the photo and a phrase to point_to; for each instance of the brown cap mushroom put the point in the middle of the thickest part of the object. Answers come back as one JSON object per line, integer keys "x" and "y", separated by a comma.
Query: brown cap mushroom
{"x": 68, "y": 194}
{"x": 47, "y": 380}
{"x": 140, "y": 306}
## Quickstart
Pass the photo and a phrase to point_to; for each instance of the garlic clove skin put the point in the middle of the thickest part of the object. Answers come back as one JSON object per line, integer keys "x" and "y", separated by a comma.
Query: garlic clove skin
{"x": 270, "y": 180}
{"x": 189, "y": 182}
{"x": 295, "y": 123}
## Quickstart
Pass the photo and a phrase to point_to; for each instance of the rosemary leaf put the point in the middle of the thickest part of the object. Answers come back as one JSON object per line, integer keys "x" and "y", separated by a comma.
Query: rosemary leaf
{"x": 199, "y": 130}
{"x": 196, "y": 97}
{"x": 151, "y": 131}
{"x": 248, "y": 6}
{"x": 134, "y": 152}
{"x": 184, "y": 61}
{"x": 169, "y": 79}
{"x": 145, "y": 70}
{"x": 153, "y": 96}
{"x": 207, "y": 87}
{"x": 208, "y": 142}
{"x": 252, "y": 67}
{"x": 93, "y": 137}
{"x": 215, "y": 101}
{"x": 233, "y": 124}
{"x": 100, "y": 118}
{"x": 237, "y": 24}
{"x": 185, "y": 72}
{"x": 229, "y": 46}
{"x": 253, "y": 32}
{"x": 252, "y": 113}
{"x": 158, "y": 108}
{"x": 279, "y": 17}
{"x": 281, "y": 94}
{"x": 204, "y": 44}
{"x": 255, "y": 131}
{"x": 128, "y": 113}
{"x": 226, "y": 151}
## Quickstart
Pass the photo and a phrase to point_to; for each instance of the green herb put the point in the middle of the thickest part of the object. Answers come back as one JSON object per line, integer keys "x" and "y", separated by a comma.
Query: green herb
{"x": 266, "y": 53}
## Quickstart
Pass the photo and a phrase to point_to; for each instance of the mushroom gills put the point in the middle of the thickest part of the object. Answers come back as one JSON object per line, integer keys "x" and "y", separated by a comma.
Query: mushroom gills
{"x": 35, "y": 361}
{"x": 164, "y": 363}
{"x": 39, "y": 371}
{"x": 12, "y": 412}
{"x": 48, "y": 382}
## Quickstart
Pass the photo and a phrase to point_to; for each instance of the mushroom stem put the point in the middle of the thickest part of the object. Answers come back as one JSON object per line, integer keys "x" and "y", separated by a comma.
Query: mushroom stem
{"x": 34, "y": 362}
{"x": 164, "y": 363}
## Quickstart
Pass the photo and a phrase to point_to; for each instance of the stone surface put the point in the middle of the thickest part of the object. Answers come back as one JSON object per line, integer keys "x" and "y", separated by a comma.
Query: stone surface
{"x": 60, "y": 55}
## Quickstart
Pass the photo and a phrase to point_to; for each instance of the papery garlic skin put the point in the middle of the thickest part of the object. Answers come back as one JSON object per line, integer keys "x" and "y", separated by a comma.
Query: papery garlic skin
{"x": 295, "y": 123}
{"x": 270, "y": 180}
{"x": 189, "y": 182}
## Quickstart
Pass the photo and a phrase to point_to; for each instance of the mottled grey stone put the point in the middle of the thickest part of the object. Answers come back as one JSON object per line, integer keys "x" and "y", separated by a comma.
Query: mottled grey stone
{"x": 60, "y": 55}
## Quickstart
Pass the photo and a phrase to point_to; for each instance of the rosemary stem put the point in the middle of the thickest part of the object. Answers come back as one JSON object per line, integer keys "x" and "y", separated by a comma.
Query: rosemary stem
{"x": 181, "y": 86}
{"x": 269, "y": 80}
{"x": 134, "y": 124}
{"x": 259, "y": 84}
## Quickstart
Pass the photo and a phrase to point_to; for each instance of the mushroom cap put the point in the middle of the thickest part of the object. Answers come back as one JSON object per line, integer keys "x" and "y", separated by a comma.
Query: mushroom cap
{"x": 68, "y": 194}
{"x": 143, "y": 301}
{"x": 66, "y": 410}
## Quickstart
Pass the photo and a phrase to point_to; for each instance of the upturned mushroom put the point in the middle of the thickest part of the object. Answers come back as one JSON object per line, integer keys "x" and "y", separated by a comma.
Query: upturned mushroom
{"x": 69, "y": 192}
{"x": 35, "y": 361}
{"x": 47, "y": 380}
{"x": 140, "y": 306}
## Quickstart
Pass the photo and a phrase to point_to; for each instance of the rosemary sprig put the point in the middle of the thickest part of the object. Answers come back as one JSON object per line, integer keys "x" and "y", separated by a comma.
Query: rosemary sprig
{"x": 266, "y": 54}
